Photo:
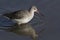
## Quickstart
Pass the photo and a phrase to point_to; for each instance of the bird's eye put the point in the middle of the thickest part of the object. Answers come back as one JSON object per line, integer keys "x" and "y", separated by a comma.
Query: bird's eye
{"x": 34, "y": 8}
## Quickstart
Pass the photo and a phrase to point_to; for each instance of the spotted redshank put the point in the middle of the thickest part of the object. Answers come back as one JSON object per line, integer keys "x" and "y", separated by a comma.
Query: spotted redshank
{"x": 22, "y": 16}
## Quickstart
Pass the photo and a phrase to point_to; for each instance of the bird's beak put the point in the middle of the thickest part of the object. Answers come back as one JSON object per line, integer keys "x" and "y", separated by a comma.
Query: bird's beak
{"x": 37, "y": 11}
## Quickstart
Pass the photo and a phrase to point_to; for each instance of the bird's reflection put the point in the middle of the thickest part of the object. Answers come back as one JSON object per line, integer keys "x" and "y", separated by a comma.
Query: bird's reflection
{"x": 25, "y": 30}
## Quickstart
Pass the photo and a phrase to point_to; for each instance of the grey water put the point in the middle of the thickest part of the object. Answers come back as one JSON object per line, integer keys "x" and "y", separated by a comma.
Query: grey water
{"x": 51, "y": 10}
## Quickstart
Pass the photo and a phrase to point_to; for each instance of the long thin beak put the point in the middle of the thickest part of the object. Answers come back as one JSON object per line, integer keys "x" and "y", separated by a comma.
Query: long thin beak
{"x": 37, "y": 11}
{"x": 40, "y": 13}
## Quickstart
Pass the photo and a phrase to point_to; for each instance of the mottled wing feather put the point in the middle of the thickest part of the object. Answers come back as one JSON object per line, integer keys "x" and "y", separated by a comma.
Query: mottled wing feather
{"x": 15, "y": 15}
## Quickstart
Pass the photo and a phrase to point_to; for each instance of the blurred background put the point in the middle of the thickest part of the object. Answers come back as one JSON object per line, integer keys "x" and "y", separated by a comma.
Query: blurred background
{"x": 50, "y": 8}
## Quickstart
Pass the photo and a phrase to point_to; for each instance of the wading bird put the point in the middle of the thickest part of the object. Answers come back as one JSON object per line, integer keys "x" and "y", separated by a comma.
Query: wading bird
{"x": 22, "y": 16}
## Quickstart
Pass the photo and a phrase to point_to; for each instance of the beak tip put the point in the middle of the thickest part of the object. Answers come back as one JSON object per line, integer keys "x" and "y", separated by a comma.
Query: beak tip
{"x": 37, "y": 11}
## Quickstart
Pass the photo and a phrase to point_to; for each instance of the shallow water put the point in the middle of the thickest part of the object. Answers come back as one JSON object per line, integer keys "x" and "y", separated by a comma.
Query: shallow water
{"x": 51, "y": 10}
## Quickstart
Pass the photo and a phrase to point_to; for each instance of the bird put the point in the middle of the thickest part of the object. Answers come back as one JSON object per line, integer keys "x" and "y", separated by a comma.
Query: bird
{"x": 22, "y": 16}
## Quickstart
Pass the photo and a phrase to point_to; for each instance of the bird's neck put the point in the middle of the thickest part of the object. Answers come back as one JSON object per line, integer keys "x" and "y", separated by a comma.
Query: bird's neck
{"x": 31, "y": 11}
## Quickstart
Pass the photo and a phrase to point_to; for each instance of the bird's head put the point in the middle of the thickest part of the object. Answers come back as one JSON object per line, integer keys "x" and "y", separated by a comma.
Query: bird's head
{"x": 34, "y": 9}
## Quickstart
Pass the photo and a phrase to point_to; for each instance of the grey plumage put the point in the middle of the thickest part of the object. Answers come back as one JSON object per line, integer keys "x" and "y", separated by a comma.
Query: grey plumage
{"x": 22, "y": 16}
{"x": 20, "y": 13}
{"x": 15, "y": 15}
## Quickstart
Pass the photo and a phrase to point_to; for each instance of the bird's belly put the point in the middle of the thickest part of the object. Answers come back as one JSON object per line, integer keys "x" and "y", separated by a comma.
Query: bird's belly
{"x": 25, "y": 20}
